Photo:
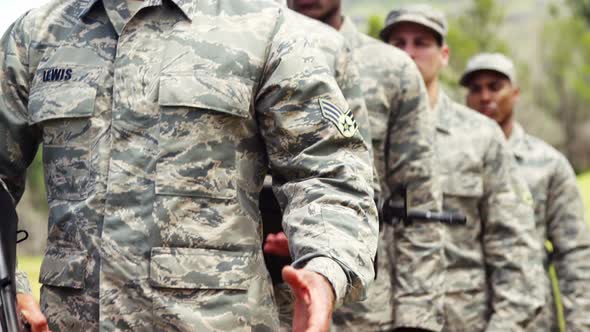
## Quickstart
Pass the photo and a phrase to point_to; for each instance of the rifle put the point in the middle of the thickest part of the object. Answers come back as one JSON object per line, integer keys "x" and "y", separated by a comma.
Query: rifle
{"x": 9, "y": 321}
{"x": 393, "y": 212}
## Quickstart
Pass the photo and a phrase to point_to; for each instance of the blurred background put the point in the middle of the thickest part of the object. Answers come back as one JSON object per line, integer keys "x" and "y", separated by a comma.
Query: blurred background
{"x": 548, "y": 39}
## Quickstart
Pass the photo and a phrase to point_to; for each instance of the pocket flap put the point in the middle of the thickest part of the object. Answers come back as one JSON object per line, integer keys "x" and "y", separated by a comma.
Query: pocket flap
{"x": 466, "y": 185}
{"x": 232, "y": 95}
{"x": 71, "y": 96}
{"x": 63, "y": 268}
{"x": 196, "y": 268}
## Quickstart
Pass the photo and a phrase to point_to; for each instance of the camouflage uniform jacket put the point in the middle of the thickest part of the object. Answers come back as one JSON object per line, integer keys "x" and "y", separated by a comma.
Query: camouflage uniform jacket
{"x": 157, "y": 130}
{"x": 402, "y": 130}
{"x": 492, "y": 281}
{"x": 559, "y": 215}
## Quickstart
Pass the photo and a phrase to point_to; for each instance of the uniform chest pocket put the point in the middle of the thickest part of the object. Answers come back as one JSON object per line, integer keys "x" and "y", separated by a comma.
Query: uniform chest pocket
{"x": 202, "y": 123}
{"x": 62, "y": 103}
{"x": 462, "y": 192}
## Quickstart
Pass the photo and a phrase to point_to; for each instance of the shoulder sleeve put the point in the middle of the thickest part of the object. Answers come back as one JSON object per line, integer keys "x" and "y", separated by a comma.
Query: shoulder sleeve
{"x": 570, "y": 237}
{"x": 322, "y": 169}
{"x": 19, "y": 140}
{"x": 513, "y": 254}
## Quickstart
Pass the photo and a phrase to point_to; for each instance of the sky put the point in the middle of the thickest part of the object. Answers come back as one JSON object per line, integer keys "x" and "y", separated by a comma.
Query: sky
{"x": 13, "y": 9}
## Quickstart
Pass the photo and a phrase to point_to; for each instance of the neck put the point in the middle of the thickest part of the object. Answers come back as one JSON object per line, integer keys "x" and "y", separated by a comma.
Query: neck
{"x": 334, "y": 19}
{"x": 507, "y": 126}
{"x": 432, "y": 89}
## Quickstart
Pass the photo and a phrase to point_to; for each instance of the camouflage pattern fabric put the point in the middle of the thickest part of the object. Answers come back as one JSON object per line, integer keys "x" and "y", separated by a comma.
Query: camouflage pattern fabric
{"x": 494, "y": 276}
{"x": 402, "y": 129}
{"x": 559, "y": 216}
{"x": 339, "y": 56}
{"x": 157, "y": 132}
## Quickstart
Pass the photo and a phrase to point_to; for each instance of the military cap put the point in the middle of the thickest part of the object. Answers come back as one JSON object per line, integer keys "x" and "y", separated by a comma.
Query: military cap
{"x": 489, "y": 61}
{"x": 421, "y": 14}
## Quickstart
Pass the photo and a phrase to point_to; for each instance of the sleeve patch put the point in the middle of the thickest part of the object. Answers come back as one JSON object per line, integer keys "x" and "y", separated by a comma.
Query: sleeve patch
{"x": 344, "y": 121}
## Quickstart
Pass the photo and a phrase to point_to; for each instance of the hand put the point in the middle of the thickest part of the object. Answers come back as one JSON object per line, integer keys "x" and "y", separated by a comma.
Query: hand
{"x": 314, "y": 300}
{"x": 28, "y": 307}
{"x": 277, "y": 245}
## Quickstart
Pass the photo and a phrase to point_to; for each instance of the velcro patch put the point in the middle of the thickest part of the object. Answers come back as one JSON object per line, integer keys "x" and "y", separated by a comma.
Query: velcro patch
{"x": 344, "y": 121}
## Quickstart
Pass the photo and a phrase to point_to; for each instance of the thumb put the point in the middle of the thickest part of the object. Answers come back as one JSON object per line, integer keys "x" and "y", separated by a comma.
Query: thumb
{"x": 294, "y": 278}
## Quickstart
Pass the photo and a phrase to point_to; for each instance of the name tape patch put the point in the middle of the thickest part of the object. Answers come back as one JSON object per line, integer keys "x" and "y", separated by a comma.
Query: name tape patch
{"x": 57, "y": 74}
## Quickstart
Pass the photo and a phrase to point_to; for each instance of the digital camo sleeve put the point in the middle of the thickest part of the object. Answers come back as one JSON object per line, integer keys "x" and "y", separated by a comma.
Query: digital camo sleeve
{"x": 570, "y": 237}
{"x": 512, "y": 253}
{"x": 18, "y": 139}
{"x": 321, "y": 164}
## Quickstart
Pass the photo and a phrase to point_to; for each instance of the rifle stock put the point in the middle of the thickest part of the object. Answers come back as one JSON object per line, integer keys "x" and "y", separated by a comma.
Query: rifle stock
{"x": 8, "y": 234}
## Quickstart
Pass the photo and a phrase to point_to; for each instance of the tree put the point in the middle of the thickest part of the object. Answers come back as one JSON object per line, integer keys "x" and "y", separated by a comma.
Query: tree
{"x": 474, "y": 31}
{"x": 581, "y": 8}
{"x": 375, "y": 25}
{"x": 565, "y": 87}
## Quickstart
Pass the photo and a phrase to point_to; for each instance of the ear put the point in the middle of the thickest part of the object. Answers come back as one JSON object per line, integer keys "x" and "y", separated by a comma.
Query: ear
{"x": 445, "y": 54}
{"x": 516, "y": 94}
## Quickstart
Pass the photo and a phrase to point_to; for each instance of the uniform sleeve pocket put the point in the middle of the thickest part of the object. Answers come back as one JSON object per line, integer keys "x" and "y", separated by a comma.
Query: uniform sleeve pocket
{"x": 63, "y": 268}
{"x": 195, "y": 268}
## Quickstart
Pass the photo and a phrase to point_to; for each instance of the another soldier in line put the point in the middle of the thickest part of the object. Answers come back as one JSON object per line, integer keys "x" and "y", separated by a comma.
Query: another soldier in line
{"x": 559, "y": 212}
{"x": 402, "y": 129}
{"x": 158, "y": 123}
{"x": 493, "y": 263}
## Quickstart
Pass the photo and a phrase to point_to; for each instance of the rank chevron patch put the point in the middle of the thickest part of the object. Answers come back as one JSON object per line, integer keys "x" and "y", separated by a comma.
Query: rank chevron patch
{"x": 344, "y": 121}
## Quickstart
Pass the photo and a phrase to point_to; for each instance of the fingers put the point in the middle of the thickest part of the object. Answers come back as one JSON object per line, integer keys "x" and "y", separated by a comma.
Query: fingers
{"x": 277, "y": 245}
{"x": 31, "y": 312}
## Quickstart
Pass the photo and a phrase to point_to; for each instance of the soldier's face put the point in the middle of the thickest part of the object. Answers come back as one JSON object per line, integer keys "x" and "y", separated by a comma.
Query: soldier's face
{"x": 316, "y": 9}
{"x": 422, "y": 45}
{"x": 492, "y": 94}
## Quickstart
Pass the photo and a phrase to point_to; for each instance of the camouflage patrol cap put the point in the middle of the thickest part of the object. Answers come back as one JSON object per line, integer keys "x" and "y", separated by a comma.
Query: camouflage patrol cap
{"x": 489, "y": 61}
{"x": 421, "y": 14}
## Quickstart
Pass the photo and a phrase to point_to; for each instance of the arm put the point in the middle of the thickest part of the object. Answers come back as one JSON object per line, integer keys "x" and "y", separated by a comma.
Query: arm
{"x": 418, "y": 273}
{"x": 348, "y": 79}
{"x": 19, "y": 141}
{"x": 569, "y": 234}
{"x": 322, "y": 177}
{"x": 512, "y": 250}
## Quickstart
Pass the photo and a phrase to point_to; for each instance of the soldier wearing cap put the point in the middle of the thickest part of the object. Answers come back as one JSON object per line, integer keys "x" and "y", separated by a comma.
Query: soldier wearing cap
{"x": 158, "y": 123}
{"x": 490, "y": 281}
{"x": 398, "y": 108}
{"x": 559, "y": 213}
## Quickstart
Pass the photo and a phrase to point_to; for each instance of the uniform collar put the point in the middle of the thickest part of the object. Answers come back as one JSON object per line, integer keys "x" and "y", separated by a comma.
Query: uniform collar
{"x": 443, "y": 109}
{"x": 118, "y": 12}
{"x": 517, "y": 140}
{"x": 350, "y": 32}
{"x": 347, "y": 29}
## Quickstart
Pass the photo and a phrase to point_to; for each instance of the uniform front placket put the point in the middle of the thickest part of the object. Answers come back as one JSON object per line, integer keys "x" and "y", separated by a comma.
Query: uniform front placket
{"x": 125, "y": 297}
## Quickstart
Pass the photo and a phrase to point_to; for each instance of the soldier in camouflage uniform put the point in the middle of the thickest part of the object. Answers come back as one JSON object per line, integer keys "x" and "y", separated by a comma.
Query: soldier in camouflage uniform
{"x": 157, "y": 129}
{"x": 492, "y": 261}
{"x": 559, "y": 211}
{"x": 395, "y": 96}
